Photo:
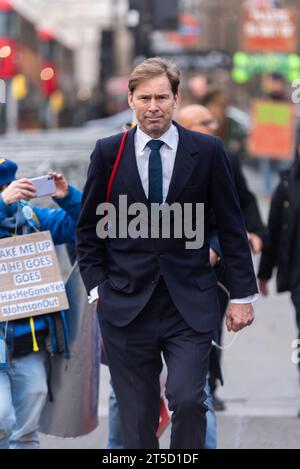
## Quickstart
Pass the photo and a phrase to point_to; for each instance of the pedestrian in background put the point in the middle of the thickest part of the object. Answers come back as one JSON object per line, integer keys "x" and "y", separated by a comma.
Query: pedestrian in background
{"x": 198, "y": 118}
{"x": 283, "y": 249}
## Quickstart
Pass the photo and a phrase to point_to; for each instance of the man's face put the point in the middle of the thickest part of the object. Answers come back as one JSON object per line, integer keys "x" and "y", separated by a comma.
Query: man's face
{"x": 153, "y": 102}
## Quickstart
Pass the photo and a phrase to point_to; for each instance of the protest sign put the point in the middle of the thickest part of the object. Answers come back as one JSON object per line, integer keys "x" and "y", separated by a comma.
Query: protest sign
{"x": 270, "y": 30}
{"x": 30, "y": 279}
{"x": 272, "y": 132}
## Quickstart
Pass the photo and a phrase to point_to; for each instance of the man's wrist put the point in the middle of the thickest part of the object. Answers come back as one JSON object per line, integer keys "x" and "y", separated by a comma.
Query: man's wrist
{"x": 246, "y": 300}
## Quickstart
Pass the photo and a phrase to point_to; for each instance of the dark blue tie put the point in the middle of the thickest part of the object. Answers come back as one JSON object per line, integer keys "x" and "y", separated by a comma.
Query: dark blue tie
{"x": 155, "y": 172}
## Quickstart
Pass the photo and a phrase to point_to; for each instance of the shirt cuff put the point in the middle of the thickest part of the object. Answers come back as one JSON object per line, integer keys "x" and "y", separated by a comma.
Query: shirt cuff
{"x": 247, "y": 299}
{"x": 93, "y": 296}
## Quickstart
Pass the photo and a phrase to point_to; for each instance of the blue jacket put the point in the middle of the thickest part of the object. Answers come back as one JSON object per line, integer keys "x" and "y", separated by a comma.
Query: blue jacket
{"x": 61, "y": 222}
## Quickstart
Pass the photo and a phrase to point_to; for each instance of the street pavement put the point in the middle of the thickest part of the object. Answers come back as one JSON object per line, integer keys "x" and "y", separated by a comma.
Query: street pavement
{"x": 261, "y": 388}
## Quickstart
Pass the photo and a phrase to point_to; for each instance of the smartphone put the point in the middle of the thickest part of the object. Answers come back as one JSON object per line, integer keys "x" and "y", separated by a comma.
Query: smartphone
{"x": 44, "y": 185}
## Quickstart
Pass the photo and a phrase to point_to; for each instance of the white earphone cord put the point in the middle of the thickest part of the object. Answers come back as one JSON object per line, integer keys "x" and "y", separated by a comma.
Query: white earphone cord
{"x": 225, "y": 347}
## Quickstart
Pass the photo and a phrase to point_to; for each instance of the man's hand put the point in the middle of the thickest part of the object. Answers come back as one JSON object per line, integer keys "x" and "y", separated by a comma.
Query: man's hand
{"x": 62, "y": 187}
{"x": 21, "y": 189}
{"x": 263, "y": 286}
{"x": 213, "y": 257}
{"x": 239, "y": 316}
{"x": 256, "y": 243}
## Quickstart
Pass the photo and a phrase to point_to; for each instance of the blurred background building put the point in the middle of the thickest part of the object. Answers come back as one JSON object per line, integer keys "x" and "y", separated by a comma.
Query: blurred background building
{"x": 64, "y": 67}
{"x": 65, "y": 62}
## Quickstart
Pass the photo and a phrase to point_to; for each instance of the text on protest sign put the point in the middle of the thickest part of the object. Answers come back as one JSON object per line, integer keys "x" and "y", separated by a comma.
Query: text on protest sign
{"x": 30, "y": 279}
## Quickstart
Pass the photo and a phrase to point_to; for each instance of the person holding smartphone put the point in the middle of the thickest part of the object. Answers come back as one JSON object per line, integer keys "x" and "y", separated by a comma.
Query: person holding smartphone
{"x": 23, "y": 380}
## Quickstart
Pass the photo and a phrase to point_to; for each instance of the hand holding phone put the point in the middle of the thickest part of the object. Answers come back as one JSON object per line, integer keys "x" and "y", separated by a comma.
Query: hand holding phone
{"x": 62, "y": 186}
{"x": 20, "y": 189}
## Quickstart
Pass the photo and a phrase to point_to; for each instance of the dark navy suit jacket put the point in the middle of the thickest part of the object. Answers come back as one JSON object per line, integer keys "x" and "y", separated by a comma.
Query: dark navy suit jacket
{"x": 127, "y": 270}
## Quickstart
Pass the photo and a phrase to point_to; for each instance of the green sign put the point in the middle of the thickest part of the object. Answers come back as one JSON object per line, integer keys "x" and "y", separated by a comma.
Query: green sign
{"x": 273, "y": 113}
{"x": 247, "y": 65}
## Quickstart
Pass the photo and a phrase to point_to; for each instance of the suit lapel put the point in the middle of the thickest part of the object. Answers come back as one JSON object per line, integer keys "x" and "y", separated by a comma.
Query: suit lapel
{"x": 185, "y": 163}
{"x": 129, "y": 171}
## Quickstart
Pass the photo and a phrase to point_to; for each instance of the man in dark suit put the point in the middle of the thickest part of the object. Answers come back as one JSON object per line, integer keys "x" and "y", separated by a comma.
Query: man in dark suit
{"x": 158, "y": 294}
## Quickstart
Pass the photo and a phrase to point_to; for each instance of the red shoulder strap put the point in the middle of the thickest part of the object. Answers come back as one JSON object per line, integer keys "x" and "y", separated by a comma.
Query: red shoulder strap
{"x": 113, "y": 173}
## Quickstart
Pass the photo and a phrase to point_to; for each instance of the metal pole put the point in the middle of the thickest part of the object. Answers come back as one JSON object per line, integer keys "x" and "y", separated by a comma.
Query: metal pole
{"x": 12, "y": 110}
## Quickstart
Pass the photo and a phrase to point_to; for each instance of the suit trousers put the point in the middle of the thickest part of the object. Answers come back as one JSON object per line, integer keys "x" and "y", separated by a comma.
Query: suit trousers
{"x": 134, "y": 356}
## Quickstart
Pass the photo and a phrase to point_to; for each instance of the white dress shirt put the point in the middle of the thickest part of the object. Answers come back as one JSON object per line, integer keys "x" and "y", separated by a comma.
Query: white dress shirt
{"x": 168, "y": 154}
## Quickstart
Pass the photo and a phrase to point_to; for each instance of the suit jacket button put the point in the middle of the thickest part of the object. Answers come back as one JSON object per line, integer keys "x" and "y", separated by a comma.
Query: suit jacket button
{"x": 153, "y": 282}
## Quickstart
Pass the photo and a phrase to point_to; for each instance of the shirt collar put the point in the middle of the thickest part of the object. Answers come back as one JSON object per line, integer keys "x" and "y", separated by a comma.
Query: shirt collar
{"x": 170, "y": 138}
